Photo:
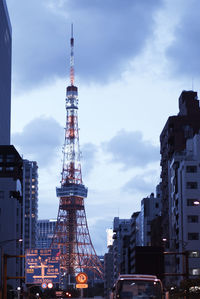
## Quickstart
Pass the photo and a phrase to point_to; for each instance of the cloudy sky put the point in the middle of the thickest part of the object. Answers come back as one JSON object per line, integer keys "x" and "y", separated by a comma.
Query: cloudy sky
{"x": 132, "y": 60}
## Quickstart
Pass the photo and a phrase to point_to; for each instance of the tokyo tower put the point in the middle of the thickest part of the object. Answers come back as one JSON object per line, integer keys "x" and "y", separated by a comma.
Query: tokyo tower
{"x": 71, "y": 235}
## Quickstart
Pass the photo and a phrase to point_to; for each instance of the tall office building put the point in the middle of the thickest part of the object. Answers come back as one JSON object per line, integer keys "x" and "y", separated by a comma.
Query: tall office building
{"x": 18, "y": 208}
{"x": 173, "y": 139}
{"x": 5, "y": 74}
{"x": 11, "y": 211}
{"x": 121, "y": 237}
{"x": 30, "y": 203}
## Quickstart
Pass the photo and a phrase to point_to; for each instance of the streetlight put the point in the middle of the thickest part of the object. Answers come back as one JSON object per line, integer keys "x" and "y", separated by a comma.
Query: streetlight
{"x": 18, "y": 292}
{"x": 37, "y": 295}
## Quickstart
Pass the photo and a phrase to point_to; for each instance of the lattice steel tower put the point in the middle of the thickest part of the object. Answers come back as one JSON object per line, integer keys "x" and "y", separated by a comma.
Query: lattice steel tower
{"x": 71, "y": 236}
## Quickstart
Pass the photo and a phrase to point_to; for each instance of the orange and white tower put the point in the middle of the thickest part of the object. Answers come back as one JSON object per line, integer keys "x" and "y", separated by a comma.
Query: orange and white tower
{"x": 71, "y": 236}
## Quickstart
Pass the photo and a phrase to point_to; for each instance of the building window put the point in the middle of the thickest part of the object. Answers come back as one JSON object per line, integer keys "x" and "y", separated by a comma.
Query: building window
{"x": 191, "y": 202}
{"x": 194, "y": 271}
{"x": 1, "y": 194}
{"x": 194, "y": 253}
{"x": 10, "y": 158}
{"x": 1, "y": 158}
{"x": 157, "y": 205}
{"x": 191, "y": 168}
{"x": 193, "y": 218}
{"x": 9, "y": 168}
{"x": 193, "y": 236}
{"x": 191, "y": 185}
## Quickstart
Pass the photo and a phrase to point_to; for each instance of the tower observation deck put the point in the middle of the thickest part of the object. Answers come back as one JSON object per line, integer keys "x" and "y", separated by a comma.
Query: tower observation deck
{"x": 71, "y": 235}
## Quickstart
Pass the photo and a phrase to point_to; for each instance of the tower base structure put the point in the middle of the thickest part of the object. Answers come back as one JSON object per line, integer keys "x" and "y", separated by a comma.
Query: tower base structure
{"x": 72, "y": 237}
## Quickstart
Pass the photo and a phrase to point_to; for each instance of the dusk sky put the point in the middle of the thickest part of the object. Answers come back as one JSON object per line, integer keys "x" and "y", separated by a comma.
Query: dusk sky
{"x": 132, "y": 60}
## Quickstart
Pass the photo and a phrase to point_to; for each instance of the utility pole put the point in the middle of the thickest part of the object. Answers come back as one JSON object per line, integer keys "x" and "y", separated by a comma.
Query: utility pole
{"x": 186, "y": 264}
{"x": 5, "y": 277}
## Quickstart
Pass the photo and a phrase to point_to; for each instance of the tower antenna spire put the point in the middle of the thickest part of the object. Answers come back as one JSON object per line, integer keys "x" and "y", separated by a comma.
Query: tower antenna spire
{"x": 72, "y": 57}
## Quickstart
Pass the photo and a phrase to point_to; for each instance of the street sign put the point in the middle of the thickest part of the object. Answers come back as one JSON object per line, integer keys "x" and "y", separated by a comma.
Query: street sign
{"x": 50, "y": 285}
{"x": 42, "y": 266}
{"x": 44, "y": 285}
{"x": 81, "y": 277}
{"x": 81, "y": 285}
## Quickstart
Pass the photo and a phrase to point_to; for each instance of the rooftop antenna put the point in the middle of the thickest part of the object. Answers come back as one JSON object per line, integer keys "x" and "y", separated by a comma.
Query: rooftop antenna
{"x": 72, "y": 57}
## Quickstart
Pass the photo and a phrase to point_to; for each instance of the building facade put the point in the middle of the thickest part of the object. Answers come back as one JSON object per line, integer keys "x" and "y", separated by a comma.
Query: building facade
{"x": 184, "y": 209}
{"x": 5, "y": 74}
{"x": 135, "y": 238}
{"x": 150, "y": 209}
{"x": 108, "y": 272}
{"x": 173, "y": 139}
{"x": 121, "y": 237}
{"x": 45, "y": 231}
{"x": 18, "y": 208}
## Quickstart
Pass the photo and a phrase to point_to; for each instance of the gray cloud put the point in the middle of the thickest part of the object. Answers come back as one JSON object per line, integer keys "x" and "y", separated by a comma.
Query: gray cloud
{"x": 88, "y": 161}
{"x": 184, "y": 51}
{"x": 139, "y": 184}
{"x": 40, "y": 140}
{"x": 131, "y": 150}
{"x": 107, "y": 34}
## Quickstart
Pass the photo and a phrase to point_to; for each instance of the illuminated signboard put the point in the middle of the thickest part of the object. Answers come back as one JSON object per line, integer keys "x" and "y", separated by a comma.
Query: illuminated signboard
{"x": 42, "y": 266}
{"x": 81, "y": 277}
{"x": 81, "y": 285}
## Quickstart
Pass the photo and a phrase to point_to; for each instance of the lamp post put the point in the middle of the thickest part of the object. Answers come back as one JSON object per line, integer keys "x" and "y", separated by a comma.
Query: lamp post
{"x": 18, "y": 292}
